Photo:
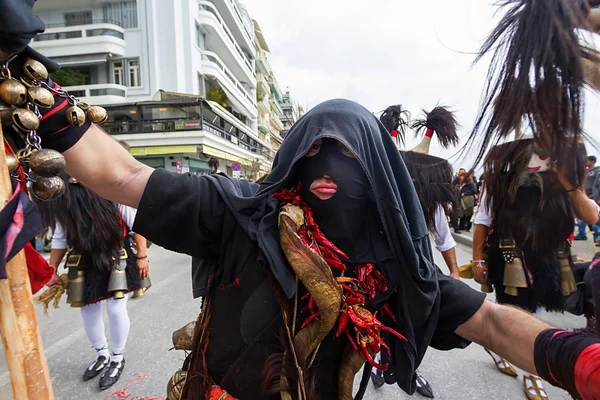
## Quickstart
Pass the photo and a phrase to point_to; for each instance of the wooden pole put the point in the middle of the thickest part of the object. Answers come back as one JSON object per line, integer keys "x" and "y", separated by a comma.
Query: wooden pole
{"x": 22, "y": 340}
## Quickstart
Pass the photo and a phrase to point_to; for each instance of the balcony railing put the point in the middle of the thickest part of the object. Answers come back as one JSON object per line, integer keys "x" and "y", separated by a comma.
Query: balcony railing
{"x": 240, "y": 21}
{"x": 214, "y": 58}
{"x": 61, "y": 31}
{"x": 209, "y": 7}
{"x": 133, "y": 121}
{"x": 101, "y": 89}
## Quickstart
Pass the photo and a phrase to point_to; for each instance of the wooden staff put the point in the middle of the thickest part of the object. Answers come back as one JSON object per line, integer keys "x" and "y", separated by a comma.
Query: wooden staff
{"x": 21, "y": 338}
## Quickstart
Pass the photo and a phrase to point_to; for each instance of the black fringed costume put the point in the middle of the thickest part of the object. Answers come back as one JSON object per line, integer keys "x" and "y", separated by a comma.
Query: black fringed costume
{"x": 216, "y": 222}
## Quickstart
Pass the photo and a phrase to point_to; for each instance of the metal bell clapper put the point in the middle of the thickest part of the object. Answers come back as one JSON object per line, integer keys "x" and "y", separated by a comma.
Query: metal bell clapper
{"x": 35, "y": 70}
{"x": 40, "y": 97}
{"x": 48, "y": 188}
{"x": 47, "y": 163}
{"x": 75, "y": 116}
{"x": 97, "y": 114}
{"x": 22, "y": 118}
{"x": 13, "y": 92}
{"x": 12, "y": 163}
{"x": 117, "y": 283}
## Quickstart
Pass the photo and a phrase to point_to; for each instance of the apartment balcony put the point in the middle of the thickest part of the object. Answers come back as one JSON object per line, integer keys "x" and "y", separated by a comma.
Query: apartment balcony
{"x": 213, "y": 66}
{"x": 233, "y": 17}
{"x": 262, "y": 84}
{"x": 103, "y": 93}
{"x": 263, "y": 105}
{"x": 221, "y": 40}
{"x": 276, "y": 123}
{"x": 275, "y": 107}
{"x": 81, "y": 44}
{"x": 184, "y": 126}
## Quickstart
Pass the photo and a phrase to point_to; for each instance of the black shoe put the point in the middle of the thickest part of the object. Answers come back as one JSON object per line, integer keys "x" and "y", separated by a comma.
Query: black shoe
{"x": 95, "y": 369}
{"x": 457, "y": 231}
{"x": 378, "y": 380}
{"x": 112, "y": 374}
{"x": 423, "y": 387}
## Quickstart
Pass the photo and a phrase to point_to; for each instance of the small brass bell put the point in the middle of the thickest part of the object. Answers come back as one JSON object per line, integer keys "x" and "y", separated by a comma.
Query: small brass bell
{"x": 47, "y": 163}
{"x": 46, "y": 189}
{"x": 35, "y": 70}
{"x": 145, "y": 286}
{"x": 97, "y": 114}
{"x": 175, "y": 385}
{"x": 22, "y": 118}
{"x": 13, "y": 92}
{"x": 40, "y": 97}
{"x": 12, "y": 162}
{"x": 568, "y": 284}
{"x": 76, "y": 289}
{"x": 75, "y": 116}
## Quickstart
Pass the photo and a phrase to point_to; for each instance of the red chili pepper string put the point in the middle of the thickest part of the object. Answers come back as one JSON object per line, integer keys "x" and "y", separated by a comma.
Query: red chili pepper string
{"x": 356, "y": 291}
{"x": 124, "y": 394}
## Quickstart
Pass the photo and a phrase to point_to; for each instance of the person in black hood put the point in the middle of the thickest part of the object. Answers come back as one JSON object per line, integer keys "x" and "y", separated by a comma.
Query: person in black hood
{"x": 245, "y": 340}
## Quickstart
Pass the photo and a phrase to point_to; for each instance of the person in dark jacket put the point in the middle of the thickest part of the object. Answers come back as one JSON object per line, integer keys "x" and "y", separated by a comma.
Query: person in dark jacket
{"x": 592, "y": 189}
{"x": 468, "y": 190}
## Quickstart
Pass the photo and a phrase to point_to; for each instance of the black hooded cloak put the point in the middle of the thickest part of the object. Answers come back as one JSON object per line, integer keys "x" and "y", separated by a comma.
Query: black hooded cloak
{"x": 182, "y": 213}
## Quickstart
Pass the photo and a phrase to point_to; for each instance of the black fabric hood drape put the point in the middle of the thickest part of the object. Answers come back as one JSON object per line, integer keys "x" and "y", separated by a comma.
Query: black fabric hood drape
{"x": 416, "y": 301}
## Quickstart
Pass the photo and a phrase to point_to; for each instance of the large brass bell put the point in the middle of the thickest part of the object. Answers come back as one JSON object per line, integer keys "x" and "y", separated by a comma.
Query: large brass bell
{"x": 76, "y": 289}
{"x": 75, "y": 116}
{"x": 145, "y": 286}
{"x": 567, "y": 279}
{"x": 40, "y": 97}
{"x": 183, "y": 338}
{"x": 35, "y": 70}
{"x": 97, "y": 114}
{"x": 117, "y": 283}
{"x": 514, "y": 277}
{"x": 22, "y": 118}
{"x": 12, "y": 163}
{"x": 175, "y": 385}
{"x": 48, "y": 188}
{"x": 13, "y": 92}
{"x": 47, "y": 163}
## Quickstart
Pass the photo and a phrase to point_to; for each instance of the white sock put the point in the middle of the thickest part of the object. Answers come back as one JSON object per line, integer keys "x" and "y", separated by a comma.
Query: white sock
{"x": 119, "y": 327}
{"x": 94, "y": 328}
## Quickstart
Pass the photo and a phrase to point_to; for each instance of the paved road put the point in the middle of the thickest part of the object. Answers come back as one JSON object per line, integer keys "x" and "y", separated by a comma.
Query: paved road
{"x": 458, "y": 374}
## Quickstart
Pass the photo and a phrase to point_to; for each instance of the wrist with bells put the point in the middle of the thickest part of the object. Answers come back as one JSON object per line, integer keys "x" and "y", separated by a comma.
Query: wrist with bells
{"x": 43, "y": 113}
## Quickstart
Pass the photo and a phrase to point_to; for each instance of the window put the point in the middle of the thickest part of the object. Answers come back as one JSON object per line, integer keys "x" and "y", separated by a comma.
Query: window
{"x": 123, "y": 13}
{"x": 134, "y": 72}
{"x": 78, "y": 18}
{"x": 200, "y": 37}
{"x": 118, "y": 73}
{"x": 201, "y": 86}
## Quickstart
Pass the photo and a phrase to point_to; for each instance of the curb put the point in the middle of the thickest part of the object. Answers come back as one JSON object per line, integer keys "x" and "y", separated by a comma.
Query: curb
{"x": 463, "y": 239}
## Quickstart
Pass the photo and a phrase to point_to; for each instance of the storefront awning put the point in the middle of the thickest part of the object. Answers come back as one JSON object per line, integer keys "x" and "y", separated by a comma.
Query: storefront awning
{"x": 211, "y": 151}
{"x": 163, "y": 150}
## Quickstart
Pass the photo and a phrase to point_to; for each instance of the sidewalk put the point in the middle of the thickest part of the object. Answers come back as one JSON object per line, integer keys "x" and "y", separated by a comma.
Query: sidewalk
{"x": 585, "y": 250}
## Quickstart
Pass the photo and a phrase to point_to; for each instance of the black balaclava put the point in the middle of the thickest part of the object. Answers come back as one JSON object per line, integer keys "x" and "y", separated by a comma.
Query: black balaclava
{"x": 342, "y": 217}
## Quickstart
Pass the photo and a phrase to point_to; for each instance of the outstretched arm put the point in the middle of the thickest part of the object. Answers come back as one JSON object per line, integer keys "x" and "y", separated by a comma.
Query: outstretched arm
{"x": 103, "y": 165}
{"x": 450, "y": 259}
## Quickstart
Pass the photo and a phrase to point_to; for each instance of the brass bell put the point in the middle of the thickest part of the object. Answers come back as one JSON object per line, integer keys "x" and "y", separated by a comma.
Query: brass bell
{"x": 84, "y": 106}
{"x": 12, "y": 162}
{"x": 117, "y": 283}
{"x": 485, "y": 288}
{"x": 146, "y": 283}
{"x": 568, "y": 284}
{"x": 183, "y": 338}
{"x": 40, "y": 97}
{"x": 47, "y": 163}
{"x": 75, "y": 116}
{"x": 46, "y": 189}
{"x": 514, "y": 277}
{"x": 175, "y": 385}
{"x": 97, "y": 114}
{"x": 75, "y": 290}
{"x": 22, "y": 118}
{"x": 35, "y": 70}
{"x": 13, "y": 92}
{"x": 145, "y": 286}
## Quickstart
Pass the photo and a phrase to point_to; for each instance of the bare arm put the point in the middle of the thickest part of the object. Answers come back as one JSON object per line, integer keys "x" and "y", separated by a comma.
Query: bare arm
{"x": 450, "y": 259}
{"x": 103, "y": 165}
{"x": 507, "y": 331}
{"x": 56, "y": 256}
{"x": 480, "y": 235}
{"x": 585, "y": 209}
{"x": 142, "y": 255}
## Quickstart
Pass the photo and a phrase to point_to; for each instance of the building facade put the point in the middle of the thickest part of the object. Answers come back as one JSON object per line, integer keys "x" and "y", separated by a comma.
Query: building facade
{"x": 139, "y": 57}
{"x": 292, "y": 112}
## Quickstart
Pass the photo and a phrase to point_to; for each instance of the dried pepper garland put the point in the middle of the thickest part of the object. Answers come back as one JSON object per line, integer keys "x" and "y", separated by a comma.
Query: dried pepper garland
{"x": 358, "y": 324}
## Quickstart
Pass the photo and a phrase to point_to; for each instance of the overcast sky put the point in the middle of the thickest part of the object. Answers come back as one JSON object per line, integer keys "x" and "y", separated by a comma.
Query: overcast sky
{"x": 383, "y": 52}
